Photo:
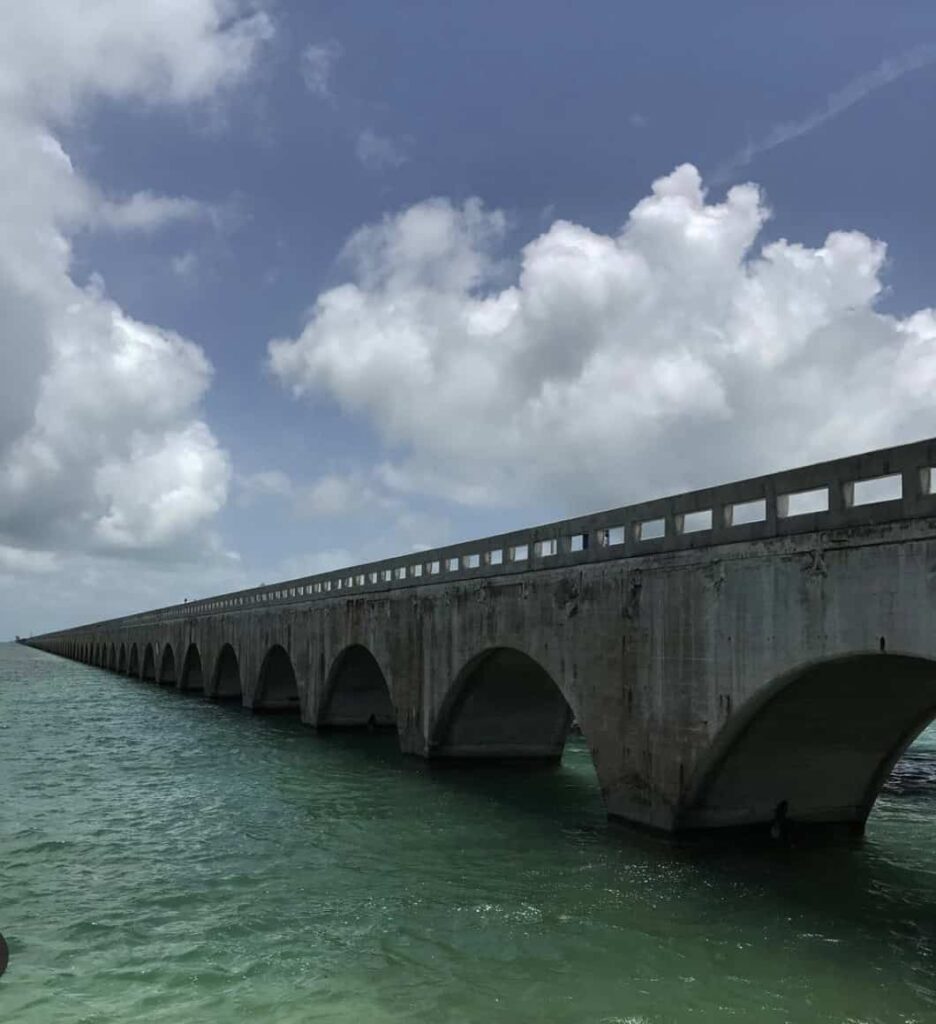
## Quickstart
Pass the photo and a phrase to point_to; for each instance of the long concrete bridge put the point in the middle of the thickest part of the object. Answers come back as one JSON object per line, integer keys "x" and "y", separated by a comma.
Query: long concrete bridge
{"x": 723, "y": 651}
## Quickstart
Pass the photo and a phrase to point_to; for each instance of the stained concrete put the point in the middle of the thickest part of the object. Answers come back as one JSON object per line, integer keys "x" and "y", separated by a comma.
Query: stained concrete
{"x": 711, "y": 681}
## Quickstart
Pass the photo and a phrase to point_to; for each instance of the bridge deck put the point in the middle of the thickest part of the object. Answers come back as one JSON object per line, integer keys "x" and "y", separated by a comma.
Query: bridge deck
{"x": 887, "y": 485}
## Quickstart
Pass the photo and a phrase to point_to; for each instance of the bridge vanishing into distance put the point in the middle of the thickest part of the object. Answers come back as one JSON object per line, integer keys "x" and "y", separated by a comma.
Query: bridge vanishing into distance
{"x": 727, "y": 653}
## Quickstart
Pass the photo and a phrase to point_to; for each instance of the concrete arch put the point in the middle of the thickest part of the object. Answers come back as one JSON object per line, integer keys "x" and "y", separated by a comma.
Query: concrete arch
{"x": 112, "y": 658}
{"x": 277, "y": 687}
{"x": 503, "y": 704}
{"x": 191, "y": 677}
{"x": 148, "y": 669}
{"x": 167, "y": 666}
{"x": 820, "y": 741}
{"x": 122, "y": 659}
{"x": 357, "y": 694}
{"x": 133, "y": 663}
{"x": 226, "y": 678}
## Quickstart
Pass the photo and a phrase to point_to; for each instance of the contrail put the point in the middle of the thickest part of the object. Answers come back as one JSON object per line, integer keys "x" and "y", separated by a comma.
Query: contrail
{"x": 836, "y": 103}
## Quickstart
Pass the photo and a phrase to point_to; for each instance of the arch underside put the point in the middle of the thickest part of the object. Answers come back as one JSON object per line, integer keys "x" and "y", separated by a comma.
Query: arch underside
{"x": 148, "y": 672}
{"x": 505, "y": 707}
{"x": 191, "y": 678}
{"x": 358, "y": 695}
{"x": 227, "y": 681}
{"x": 277, "y": 689}
{"x": 824, "y": 743}
{"x": 167, "y": 670}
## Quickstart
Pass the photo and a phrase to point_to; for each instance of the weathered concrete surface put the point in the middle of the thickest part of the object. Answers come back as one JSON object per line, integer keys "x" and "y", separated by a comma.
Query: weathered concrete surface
{"x": 710, "y": 682}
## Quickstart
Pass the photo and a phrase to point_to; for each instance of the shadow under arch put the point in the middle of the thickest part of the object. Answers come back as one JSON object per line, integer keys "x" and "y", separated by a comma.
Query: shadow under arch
{"x": 167, "y": 666}
{"x": 503, "y": 705}
{"x": 357, "y": 695}
{"x": 148, "y": 671}
{"x": 226, "y": 679}
{"x": 191, "y": 678}
{"x": 133, "y": 664}
{"x": 122, "y": 660}
{"x": 814, "y": 746}
{"x": 277, "y": 689}
{"x": 112, "y": 658}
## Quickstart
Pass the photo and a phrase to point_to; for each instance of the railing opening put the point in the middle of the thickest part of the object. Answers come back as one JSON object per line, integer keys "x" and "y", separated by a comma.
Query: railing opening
{"x": 880, "y": 488}
{"x": 651, "y": 529}
{"x": 801, "y": 503}
{"x": 694, "y": 522}
{"x": 743, "y": 512}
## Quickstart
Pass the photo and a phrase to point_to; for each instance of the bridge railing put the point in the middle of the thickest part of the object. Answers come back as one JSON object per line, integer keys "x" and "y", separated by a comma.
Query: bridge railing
{"x": 863, "y": 490}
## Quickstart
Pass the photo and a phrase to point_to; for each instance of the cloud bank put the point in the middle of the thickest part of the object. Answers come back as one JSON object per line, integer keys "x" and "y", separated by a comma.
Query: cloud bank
{"x": 102, "y": 447}
{"x": 676, "y": 352}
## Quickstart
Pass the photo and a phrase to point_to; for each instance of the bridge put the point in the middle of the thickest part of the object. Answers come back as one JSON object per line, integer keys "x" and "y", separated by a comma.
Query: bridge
{"x": 728, "y": 653}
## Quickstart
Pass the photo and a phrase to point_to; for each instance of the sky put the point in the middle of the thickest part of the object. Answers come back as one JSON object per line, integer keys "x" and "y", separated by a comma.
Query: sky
{"x": 286, "y": 286}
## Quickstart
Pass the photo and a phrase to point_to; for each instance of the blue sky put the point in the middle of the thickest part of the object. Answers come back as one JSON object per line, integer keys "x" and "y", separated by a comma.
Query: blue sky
{"x": 458, "y": 389}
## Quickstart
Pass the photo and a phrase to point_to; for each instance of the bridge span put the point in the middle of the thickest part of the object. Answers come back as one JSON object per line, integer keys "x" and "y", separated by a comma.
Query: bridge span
{"x": 724, "y": 652}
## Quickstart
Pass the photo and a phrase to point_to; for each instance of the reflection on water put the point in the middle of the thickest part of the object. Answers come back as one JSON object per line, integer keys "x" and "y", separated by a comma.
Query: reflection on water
{"x": 166, "y": 859}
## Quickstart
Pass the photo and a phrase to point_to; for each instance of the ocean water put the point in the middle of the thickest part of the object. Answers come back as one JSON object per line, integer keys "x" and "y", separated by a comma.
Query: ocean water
{"x": 166, "y": 859}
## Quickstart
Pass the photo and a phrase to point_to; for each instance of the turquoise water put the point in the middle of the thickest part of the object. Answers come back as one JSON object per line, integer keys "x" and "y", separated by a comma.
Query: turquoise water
{"x": 164, "y": 859}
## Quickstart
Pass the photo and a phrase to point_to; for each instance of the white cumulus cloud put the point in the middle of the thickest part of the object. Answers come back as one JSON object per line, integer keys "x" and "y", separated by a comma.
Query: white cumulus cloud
{"x": 678, "y": 351}
{"x": 102, "y": 444}
{"x": 55, "y": 56}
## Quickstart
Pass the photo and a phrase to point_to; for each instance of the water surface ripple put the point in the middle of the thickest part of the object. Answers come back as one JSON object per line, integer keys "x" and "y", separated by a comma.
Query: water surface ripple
{"x": 164, "y": 859}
